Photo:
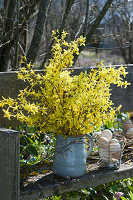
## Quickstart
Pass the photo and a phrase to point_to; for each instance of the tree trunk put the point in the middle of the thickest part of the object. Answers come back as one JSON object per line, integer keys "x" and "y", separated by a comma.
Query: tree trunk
{"x": 7, "y": 38}
{"x": 130, "y": 56}
{"x": 38, "y": 32}
{"x": 4, "y": 59}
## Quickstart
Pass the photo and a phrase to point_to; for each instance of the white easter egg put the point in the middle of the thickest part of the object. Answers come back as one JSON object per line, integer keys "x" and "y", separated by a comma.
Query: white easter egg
{"x": 114, "y": 141}
{"x": 107, "y": 133}
{"x": 116, "y": 155}
{"x": 114, "y": 147}
{"x": 127, "y": 124}
{"x": 103, "y": 142}
{"x": 129, "y": 133}
{"x": 104, "y": 154}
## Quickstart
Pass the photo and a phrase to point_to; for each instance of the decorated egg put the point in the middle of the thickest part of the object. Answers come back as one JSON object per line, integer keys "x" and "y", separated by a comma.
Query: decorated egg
{"x": 129, "y": 133}
{"x": 114, "y": 147}
{"x": 127, "y": 124}
{"x": 114, "y": 141}
{"x": 103, "y": 142}
{"x": 116, "y": 155}
{"x": 107, "y": 134}
{"x": 104, "y": 154}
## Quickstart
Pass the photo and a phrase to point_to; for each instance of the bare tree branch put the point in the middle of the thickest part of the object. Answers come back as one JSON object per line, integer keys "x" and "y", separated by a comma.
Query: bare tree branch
{"x": 95, "y": 25}
{"x": 86, "y": 17}
{"x": 65, "y": 16}
{"x": 67, "y": 11}
{"x": 17, "y": 36}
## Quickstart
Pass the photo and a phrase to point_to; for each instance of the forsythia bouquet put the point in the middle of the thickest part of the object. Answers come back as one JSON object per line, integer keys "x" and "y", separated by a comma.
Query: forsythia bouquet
{"x": 60, "y": 103}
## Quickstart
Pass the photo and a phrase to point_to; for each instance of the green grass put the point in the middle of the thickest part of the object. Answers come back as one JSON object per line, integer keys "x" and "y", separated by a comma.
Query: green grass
{"x": 90, "y": 58}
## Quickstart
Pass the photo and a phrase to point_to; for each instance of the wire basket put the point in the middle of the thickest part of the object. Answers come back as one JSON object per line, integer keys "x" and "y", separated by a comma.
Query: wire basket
{"x": 111, "y": 155}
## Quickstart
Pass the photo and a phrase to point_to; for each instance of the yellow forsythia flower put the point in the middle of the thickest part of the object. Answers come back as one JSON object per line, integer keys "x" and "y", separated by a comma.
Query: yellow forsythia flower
{"x": 59, "y": 103}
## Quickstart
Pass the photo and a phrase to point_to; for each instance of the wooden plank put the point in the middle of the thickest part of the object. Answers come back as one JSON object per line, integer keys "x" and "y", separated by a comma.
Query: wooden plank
{"x": 9, "y": 165}
{"x": 52, "y": 185}
{"x": 10, "y": 86}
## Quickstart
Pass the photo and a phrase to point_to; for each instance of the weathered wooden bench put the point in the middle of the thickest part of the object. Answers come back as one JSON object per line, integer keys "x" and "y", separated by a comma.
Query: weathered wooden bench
{"x": 48, "y": 184}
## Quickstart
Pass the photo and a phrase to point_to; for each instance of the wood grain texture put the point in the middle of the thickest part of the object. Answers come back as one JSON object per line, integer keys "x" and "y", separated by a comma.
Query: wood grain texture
{"x": 53, "y": 185}
{"x": 10, "y": 86}
{"x": 9, "y": 165}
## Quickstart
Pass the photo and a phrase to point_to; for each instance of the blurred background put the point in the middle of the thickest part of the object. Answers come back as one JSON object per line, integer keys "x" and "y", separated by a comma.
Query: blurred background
{"x": 26, "y": 27}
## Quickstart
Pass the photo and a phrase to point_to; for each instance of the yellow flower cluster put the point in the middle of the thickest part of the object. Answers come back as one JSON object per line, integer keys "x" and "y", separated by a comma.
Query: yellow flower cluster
{"x": 60, "y": 103}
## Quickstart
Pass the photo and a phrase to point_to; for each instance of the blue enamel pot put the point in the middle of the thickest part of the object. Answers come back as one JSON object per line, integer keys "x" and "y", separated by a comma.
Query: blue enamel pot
{"x": 70, "y": 155}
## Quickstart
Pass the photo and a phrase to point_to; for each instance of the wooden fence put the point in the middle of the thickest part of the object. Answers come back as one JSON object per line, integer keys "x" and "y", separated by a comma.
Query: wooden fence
{"x": 9, "y": 165}
{"x": 9, "y": 149}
